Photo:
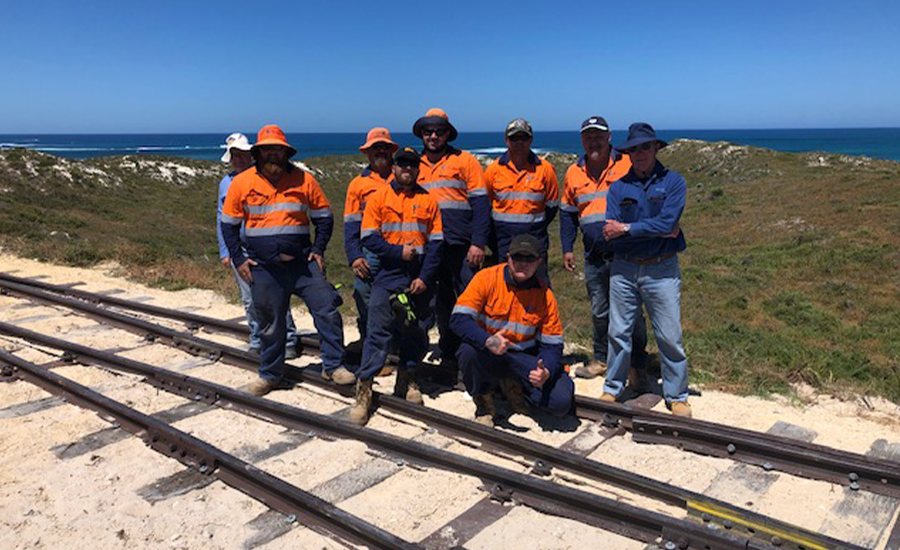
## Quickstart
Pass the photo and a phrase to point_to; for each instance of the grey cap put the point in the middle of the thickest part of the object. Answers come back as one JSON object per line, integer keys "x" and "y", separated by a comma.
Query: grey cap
{"x": 517, "y": 126}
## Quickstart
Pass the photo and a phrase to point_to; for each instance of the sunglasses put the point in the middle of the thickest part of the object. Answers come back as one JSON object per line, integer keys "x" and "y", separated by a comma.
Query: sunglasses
{"x": 407, "y": 163}
{"x": 642, "y": 147}
{"x": 381, "y": 147}
{"x": 519, "y": 137}
{"x": 436, "y": 131}
{"x": 524, "y": 258}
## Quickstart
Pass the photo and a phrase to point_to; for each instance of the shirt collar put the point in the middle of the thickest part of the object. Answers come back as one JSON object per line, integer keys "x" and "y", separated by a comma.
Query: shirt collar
{"x": 533, "y": 159}
{"x": 658, "y": 171}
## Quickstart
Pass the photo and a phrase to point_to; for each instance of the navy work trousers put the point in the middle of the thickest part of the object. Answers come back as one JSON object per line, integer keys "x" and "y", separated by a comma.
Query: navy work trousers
{"x": 454, "y": 275}
{"x": 272, "y": 287}
{"x": 482, "y": 370}
{"x": 383, "y": 323}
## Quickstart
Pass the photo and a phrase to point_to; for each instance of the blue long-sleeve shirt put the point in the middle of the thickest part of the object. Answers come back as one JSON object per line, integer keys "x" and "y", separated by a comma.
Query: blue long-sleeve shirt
{"x": 223, "y": 192}
{"x": 653, "y": 207}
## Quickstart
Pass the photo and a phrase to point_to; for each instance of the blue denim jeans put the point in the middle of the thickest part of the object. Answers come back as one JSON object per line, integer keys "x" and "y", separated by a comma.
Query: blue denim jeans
{"x": 658, "y": 286}
{"x": 596, "y": 278}
{"x": 272, "y": 287}
{"x": 250, "y": 313}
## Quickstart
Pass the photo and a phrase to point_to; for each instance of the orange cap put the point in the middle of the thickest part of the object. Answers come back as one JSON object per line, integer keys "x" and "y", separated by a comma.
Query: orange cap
{"x": 378, "y": 135}
{"x": 272, "y": 135}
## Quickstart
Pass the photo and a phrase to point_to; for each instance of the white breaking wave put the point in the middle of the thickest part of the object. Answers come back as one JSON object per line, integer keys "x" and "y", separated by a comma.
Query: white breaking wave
{"x": 501, "y": 150}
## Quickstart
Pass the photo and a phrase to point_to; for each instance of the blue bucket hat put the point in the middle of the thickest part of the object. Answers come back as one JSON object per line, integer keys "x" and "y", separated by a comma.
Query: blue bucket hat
{"x": 638, "y": 133}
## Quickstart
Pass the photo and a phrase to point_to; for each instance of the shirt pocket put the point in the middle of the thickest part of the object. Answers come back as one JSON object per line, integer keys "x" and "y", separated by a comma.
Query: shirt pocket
{"x": 655, "y": 203}
{"x": 628, "y": 210}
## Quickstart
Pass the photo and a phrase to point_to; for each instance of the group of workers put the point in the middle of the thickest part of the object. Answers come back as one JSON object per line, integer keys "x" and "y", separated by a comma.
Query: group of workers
{"x": 417, "y": 226}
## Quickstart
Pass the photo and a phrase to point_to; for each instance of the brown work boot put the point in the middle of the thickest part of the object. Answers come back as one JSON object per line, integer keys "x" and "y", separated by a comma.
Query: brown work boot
{"x": 385, "y": 371}
{"x": 362, "y": 409}
{"x": 340, "y": 376}
{"x": 681, "y": 408}
{"x": 259, "y": 387}
{"x": 484, "y": 409}
{"x": 407, "y": 387}
{"x": 591, "y": 370}
{"x": 608, "y": 397}
{"x": 512, "y": 389}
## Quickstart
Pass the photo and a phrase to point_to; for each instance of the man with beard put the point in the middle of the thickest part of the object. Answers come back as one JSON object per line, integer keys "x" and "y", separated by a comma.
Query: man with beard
{"x": 402, "y": 226}
{"x": 379, "y": 149}
{"x": 454, "y": 179}
{"x": 583, "y": 205}
{"x": 523, "y": 189}
{"x": 643, "y": 210}
{"x": 509, "y": 323}
{"x": 276, "y": 202}
{"x": 237, "y": 153}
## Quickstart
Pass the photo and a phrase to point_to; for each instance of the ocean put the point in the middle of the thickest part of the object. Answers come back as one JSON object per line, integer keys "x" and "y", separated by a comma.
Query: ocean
{"x": 883, "y": 143}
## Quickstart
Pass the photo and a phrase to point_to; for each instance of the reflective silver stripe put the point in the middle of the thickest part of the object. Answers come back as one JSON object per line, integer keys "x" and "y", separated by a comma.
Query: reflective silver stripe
{"x": 278, "y": 230}
{"x": 547, "y": 339}
{"x": 478, "y": 193}
{"x": 524, "y": 330}
{"x": 454, "y": 205}
{"x": 465, "y": 310}
{"x": 588, "y": 197}
{"x": 321, "y": 213}
{"x": 593, "y": 218}
{"x": 276, "y": 207}
{"x": 517, "y": 218}
{"x": 528, "y": 344}
{"x": 519, "y": 196}
{"x": 353, "y": 218}
{"x": 408, "y": 226}
{"x": 444, "y": 184}
{"x": 366, "y": 232}
{"x": 568, "y": 208}
{"x": 436, "y": 237}
{"x": 552, "y": 204}
{"x": 231, "y": 221}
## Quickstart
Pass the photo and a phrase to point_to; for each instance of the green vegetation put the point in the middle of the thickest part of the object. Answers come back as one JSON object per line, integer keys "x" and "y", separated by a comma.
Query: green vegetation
{"x": 791, "y": 272}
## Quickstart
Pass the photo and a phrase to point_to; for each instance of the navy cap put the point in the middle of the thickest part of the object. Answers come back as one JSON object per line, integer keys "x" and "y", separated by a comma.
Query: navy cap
{"x": 407, "y": 153}
{"x": 595, "y": 122}
{"x": 639, "y": 133}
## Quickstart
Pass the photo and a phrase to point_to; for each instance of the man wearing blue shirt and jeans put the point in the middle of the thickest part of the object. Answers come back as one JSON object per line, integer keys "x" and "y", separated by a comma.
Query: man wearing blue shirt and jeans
{"x": 237, "y": 153}
{"x": 642, "y": 214}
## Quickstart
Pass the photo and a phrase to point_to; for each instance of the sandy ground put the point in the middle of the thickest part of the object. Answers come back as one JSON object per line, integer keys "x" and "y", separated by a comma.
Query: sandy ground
{"x": 52, "y": 494}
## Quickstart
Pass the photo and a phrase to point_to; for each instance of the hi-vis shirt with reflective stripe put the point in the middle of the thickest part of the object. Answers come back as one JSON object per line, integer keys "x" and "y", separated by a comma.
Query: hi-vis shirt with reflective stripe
{"x": 358, "y": 193}
{"x": 527, "y": 314}
{"x": 455, "y": 181}
{"x": 584, "y": 201}
{"x": 522, "y": 196}
{"x": 275, "y": 216}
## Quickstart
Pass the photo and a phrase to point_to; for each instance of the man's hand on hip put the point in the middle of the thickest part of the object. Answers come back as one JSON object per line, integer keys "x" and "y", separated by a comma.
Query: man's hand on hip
{"x": 361, "y": 268}
{"x": 244, "y": 270}
{"x": 320, "y": 260}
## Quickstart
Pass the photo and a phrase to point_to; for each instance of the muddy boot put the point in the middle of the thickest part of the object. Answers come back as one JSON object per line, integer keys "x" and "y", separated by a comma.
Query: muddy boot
{"x": 591, "y": 370}
{"x": 512, "y": 389}
{"x": 362, "y": 409}
{"x": 407, "y": 387}
{"x": 484, "y": 409}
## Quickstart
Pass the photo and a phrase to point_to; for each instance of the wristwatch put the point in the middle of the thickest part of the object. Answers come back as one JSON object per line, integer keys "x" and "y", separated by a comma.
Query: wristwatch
{"x": 627, "y": 227}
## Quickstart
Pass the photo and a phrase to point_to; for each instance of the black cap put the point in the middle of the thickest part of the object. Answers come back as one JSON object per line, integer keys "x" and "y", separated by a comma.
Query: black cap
{"x": 526, "y": 245}
{"x": 597, "y": 122}
{"x": 407, "y": 153}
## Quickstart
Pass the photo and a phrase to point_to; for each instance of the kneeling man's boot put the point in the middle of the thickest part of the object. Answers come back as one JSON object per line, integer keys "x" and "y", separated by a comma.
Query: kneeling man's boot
{"x": 512, "y": 389}
{"x": 484, "y": 408}
{"x": 361, "y": 410}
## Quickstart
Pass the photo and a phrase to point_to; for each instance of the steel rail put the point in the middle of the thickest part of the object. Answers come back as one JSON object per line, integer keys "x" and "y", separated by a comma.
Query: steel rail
{"x": 209, "y": 460}
{"x": 716, "y": 514}
{"x": 766, "y": 450}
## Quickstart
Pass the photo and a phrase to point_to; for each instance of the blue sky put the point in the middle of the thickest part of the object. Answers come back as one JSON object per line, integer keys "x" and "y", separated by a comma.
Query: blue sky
{"x": 96, "y": 67}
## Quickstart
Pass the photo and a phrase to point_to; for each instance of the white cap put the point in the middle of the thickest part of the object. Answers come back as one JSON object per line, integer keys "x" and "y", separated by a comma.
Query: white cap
{"x": 235, "y": 141}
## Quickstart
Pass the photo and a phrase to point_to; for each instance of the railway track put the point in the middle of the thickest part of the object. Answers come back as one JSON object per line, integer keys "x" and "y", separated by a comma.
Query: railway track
{"x": 710, "y": 518}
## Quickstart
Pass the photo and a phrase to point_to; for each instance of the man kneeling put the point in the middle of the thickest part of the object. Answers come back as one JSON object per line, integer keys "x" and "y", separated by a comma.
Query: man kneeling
{"x": 509, "y": 324}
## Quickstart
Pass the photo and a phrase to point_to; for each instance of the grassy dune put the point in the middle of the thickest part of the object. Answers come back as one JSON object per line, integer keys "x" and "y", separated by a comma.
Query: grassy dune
{"x": 791, "y": 272}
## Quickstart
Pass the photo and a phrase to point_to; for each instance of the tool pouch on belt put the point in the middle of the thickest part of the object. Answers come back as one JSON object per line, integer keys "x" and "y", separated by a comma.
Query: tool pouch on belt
{"x": 402, "y": 305}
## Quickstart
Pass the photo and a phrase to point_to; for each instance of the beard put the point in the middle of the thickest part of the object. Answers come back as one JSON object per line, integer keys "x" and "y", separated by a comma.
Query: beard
{"x": 272, "y": 170}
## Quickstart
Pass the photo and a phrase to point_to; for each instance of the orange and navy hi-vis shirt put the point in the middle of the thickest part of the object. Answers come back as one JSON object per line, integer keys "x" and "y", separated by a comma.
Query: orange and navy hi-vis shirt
{"x": 358, "y": 193}
{"x": 527, "y": 313}
{"x": 584, "y": 203}
{"x": 276, "y": 218}
{"x": 395, "y": 217}
{"x": 455, "y": 182}
{"x": 523, "y": 201}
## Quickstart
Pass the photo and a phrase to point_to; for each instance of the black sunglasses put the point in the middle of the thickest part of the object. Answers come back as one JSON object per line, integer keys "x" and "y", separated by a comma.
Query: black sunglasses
{"x": 519, "y": 137}
{"x": 642, "y": 147}
{"x": 436, "y": 131}
{"x": 404, "y": 163}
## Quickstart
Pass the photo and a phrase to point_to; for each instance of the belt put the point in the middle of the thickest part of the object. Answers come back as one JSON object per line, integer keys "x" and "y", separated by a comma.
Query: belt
{"x": 649, "y": 261}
